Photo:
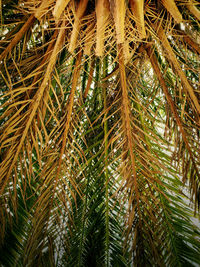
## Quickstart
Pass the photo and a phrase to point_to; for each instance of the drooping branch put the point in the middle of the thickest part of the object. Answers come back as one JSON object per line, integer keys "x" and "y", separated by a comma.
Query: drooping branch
{"x": 6, "y": 172}
{"x": 173, "y": 60}
{"x": 127, "y": 121}
{"x": 171, "y": 103}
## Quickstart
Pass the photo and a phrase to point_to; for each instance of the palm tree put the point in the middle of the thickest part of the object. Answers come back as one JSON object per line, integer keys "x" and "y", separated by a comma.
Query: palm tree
{"x": 100, "y": 136}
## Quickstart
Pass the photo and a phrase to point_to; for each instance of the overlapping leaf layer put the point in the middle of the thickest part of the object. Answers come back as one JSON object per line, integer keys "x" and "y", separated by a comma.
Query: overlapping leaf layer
{"x": 100, "y": 137}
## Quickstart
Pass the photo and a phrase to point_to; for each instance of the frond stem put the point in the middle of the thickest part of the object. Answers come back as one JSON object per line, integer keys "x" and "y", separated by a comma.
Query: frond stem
{"x": 125, "y": 102}
{"x": 105, "y": 70}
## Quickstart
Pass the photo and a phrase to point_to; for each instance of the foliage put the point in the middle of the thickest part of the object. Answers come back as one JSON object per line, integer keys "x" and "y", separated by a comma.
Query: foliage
{"x": 99, "y": 142}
